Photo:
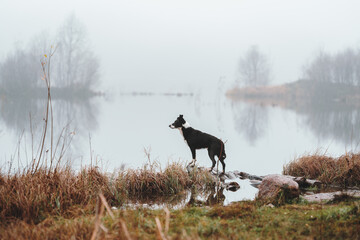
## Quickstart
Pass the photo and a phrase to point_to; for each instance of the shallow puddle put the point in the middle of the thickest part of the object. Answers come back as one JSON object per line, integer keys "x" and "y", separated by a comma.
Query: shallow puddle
{"x": 198, "y": 197}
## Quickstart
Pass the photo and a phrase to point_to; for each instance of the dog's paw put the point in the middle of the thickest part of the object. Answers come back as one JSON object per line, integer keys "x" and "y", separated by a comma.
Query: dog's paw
{"x": 191, "y": 164}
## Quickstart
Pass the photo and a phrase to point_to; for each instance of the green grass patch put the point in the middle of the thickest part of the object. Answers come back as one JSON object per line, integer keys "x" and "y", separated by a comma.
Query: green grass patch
{"x": 243, "y": 220}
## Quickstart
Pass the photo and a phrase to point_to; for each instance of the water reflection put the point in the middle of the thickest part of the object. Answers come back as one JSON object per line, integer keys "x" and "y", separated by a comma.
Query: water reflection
{"x": 333, "y": 119}
{"x": 337, "y": 121}
{"x": 214, "y": 196}
{"x": 174, "y": 201}
{"x": 193, "y": 197}
{"x": 16, "y": 113}
{"x": 251, "y": 120}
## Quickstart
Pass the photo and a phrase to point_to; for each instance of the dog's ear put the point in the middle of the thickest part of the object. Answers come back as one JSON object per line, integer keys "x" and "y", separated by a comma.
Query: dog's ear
{"x": 181, "y": 116}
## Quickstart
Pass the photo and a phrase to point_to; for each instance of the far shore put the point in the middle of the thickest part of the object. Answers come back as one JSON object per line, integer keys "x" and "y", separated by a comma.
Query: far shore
{"x": 298, "y": 94}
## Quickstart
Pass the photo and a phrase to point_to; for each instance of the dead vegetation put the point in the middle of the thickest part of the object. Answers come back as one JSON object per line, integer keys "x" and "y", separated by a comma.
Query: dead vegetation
{"x": 32, "y": 196}
{"x": 173, "y": 179}
{"x": 343, "y": 171}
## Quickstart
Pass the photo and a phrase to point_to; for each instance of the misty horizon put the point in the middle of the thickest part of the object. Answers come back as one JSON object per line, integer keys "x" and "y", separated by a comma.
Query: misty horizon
{"x": 188, "y": 46}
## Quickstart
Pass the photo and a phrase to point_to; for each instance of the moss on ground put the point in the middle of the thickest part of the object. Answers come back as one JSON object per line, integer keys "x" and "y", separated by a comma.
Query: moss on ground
{"x": 243, "y": 220}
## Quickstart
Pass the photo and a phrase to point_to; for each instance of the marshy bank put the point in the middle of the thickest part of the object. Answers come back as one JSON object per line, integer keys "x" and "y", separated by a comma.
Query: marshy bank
{"x": 244, "y": 220}
{"x": 62, "y": 203}
{"x": 31, "y": 196}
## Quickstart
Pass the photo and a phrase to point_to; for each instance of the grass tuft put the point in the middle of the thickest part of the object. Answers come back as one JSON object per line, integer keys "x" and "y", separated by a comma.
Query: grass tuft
{"x": 31, "y": 197}
{"x": 343, "y": 171}
{"x": 236, "y": 210}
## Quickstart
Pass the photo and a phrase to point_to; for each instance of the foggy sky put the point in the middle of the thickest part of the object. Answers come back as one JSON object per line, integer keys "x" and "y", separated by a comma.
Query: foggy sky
{"x": 162, "y": 45}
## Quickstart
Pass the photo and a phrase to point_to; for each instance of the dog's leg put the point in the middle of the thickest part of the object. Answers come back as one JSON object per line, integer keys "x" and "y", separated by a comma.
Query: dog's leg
{"x": 223, "y": 163}
{"x": 193, "y": 153}
{"x": 212, "y": 157}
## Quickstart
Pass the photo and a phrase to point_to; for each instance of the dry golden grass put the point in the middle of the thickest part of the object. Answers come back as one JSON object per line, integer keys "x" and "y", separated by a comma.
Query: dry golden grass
{"x": 31, "y": 197}
{"x": 343, "y": 171}
{"x": 148, "y": 180}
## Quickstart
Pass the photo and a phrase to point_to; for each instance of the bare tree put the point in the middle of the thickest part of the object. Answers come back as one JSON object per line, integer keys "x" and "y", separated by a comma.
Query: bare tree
{"x": 76, "y": 64}
{"x": 254, "y": 68}
{"x": 343, "y": 67}
{"x": 19, "y": 71}
{"x": 357, "y": 67}
{"x": 320, "y": 68}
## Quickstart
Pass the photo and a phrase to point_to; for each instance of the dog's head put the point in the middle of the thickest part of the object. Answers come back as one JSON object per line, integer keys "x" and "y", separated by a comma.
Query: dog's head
{"x": 179, "y": 122}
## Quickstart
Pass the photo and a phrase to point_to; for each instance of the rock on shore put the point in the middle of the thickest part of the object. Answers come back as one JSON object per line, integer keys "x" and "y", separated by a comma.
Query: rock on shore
{"x": 277, "y": 189}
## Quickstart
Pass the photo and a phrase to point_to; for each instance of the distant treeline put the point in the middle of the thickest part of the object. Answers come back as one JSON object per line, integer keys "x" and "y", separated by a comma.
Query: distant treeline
{"x": 342, "y": 67}
{"x": 73, "y": 65}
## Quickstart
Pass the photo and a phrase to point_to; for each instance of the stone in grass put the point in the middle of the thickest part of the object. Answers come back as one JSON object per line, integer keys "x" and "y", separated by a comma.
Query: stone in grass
{"x": 232, "y": 186}
{"x": 277, "y": 189}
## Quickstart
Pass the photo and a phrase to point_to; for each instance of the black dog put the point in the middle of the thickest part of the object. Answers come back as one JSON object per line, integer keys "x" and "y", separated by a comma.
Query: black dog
{"x": 198, "y": 140}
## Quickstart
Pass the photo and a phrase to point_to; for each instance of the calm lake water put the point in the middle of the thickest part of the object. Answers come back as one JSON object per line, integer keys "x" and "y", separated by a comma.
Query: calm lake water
{"x": 114, "y": 131}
